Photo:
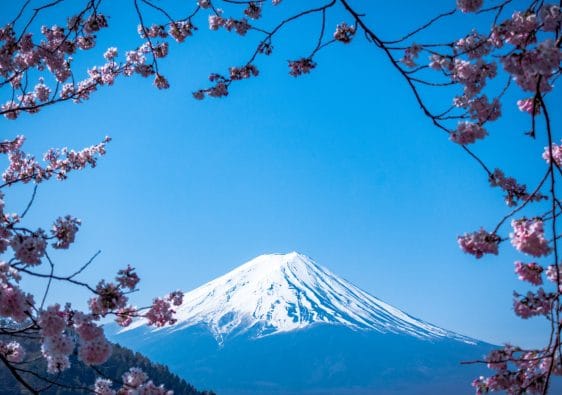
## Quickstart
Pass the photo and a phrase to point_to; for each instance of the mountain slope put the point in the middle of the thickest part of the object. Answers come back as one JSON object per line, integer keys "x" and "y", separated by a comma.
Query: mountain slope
{"x": 282, "y": 292}
{"x": 79, "y": 378}
{"x": 282, "y": 324}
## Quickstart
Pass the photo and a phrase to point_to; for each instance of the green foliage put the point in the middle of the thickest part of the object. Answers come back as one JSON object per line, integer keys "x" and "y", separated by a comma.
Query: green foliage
{"x": 79, "y": 379}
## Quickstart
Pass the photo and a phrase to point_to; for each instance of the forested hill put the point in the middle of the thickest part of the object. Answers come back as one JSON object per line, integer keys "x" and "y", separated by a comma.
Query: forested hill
{"x": 82, "y": 376}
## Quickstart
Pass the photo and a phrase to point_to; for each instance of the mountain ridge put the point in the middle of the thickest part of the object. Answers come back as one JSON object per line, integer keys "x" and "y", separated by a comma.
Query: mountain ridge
{"x": 280, "y": 324}
{"x": 276, "y": 293}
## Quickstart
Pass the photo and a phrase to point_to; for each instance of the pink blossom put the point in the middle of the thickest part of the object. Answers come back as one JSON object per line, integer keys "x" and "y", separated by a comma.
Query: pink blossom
{"x": 127, "y": 278}
{"x": 161, "y": 82}
{"x": 344, "y": 33}
{"x": 265, "y": 48}
{"x": 199, "y": 95}
{"x": 474, "y": 45}
{"x": 411, "y": 54}
{"x": 95, "y": 351}
{"x": 88, "y": 331}
{"x": 253, "y": 10}
{"x": 103, "y": 387}
{"x": 124, "y": 316}
{"x": 528, "y": 237}
{"x": 551, "y": 17}
{"x": 160, "y": 50}
{"x": 14, "y": 303}
{"x": 10, "y": 109}
{"x": 301, "y": 66}
{"x": 160, "y": 313}
{"x": 59, "y": 344}
{"x": 134, "y": 377}
{"x": 479, "y": 243}
{"x": 219, "y": 90}
{"x": 215, "y": 21}
{"x": 57, "y": 363}
{"x": 109, "y": 298}
{"x": 239, "y": 26}
{"x": 472, "y": 75}
{"x": 529, "y": 105}
{"x": 204, "y": 3}
{"x": 554, "y": 275}
{"x": 8, "y": 146}
{"x": 530, "y": 272}
{"x": 52, "y": 321}
{"x": 534, "y": 67}
{"x": 29, "y": 248}
{"x": 469, "y": 5}
{"x": 181, "y": 30}
{"x": 153, "y": 31}
{"x": 12, "y": 351}
{"x": 110, "y": 53}
{"x": 468, "y": 133}
{"x": 556, "y": 154}
{"x": 42, "y": 91}
{"x": 533, "y": 304}
{"x": 240, "y": 73}
{"x": 64, "y": 230}
{"x": 176, "y": 298}
{"x": 514, "y": 191}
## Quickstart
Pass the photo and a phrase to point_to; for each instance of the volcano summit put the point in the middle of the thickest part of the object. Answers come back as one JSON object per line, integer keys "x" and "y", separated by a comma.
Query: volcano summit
{"x": 282, "y": 324}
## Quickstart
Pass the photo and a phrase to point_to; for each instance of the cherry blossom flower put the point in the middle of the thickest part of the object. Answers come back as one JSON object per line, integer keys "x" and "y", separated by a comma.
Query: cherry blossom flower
{"x": 95, "y": 351}
{"x": 475, "y": 45}
{"x": 344, "y": 33}
{"x": 301, "y": 66}
{"x": 411, "y": 54}
{"x": 180, "y": 30}
{"x": 530, "y": 272}
{"x": 469, "y": 5}
{"x": 551, "y": 17}
{"x": 160, "y": 313}
{"x": 528, "y": 237}
{"x": 12, "y": 351}
{"x": 479, "y": 243}
{"x": 468, "y": 133}
{"x": 127, "y": 278}
{"x": 556, "y": 154}
{"x": 514, "y": 191}
{"x": 103, "y": 387}
{"x": 253, "y": 10}
{"x": 14, "y": 303}
{"x": 161, "y": 82}
{"x": 533, "y": 304}
{"x": 240, "y": 73}
{"x": 52, "y": 321}
{"x": 529, "y": 105}
{"x": 64, "y": 230}
{"x": 555, "y": 275}
{"x": 29, "y": 248}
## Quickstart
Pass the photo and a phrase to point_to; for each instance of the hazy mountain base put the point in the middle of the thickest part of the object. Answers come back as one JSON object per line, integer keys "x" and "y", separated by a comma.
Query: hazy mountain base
{"x": 322, "y": 359}
{"x": 80, "y": 375}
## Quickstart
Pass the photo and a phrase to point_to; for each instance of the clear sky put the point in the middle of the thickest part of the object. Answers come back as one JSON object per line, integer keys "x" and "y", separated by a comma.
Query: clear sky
{"x": 340, "y": 165}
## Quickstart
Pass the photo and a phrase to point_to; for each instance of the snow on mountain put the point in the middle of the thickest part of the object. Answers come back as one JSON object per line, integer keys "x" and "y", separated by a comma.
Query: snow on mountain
{"x": 278, "y": 293}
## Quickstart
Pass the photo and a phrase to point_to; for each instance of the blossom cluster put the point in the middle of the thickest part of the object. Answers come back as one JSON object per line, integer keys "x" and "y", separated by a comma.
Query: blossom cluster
{"x": 135, "y": 381}
{"x": 528, "y": 237}
{"x": 513, "y": 190}
{"x": 301, "y": 66}
{"x": 516, "y": 369}
{"x": 479, "y": 243}
{"x": 25, "y": 168}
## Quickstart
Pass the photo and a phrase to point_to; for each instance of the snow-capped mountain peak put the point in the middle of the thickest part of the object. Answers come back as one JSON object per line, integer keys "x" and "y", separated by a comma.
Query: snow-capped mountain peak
{"x": 277, "y": 293}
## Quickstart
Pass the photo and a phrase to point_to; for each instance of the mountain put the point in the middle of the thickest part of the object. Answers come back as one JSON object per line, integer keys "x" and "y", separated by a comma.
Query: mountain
{"x": 282, "y": 324}
{"x": 81, "y": 376}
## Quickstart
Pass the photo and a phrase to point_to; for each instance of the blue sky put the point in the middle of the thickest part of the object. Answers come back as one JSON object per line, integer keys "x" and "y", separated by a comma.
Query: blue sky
{"x": 340, "y": 165}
